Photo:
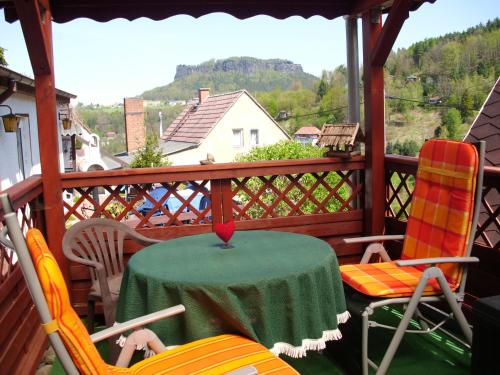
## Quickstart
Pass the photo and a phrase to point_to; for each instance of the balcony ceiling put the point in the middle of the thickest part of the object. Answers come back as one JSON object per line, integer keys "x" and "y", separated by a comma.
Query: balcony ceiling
{"x": 106, "y": 10}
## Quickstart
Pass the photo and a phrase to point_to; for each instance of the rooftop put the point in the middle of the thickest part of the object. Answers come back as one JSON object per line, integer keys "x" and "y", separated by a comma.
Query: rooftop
{"x": 486, "y": 127}
{"x": 308, "y": 130}
{"x": 197, "y": 120}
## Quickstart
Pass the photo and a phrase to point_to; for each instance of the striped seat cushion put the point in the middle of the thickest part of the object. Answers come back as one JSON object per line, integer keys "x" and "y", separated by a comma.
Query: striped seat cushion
{"x": 442, "y": 204}
{"x": 385, "y": 279}
{"x": 214, "y": 355}
{"x": 439, "y": 224}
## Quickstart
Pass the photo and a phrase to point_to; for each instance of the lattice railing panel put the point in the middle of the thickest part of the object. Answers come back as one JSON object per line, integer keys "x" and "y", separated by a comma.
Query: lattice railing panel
{"x": 400, "y": 181}
{"x": 141, "y": 205}
{"x": 27, "y": 217}
{"x": 399, "y": 188}
{"x": 294, "y": 194}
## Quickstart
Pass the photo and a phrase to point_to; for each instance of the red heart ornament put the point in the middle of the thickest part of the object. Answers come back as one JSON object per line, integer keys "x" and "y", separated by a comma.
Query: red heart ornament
{"x": 225, "y": 231}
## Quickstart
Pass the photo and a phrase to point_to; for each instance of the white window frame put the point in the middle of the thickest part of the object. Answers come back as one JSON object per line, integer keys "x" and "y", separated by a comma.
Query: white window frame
{"x": 257, "y": 143}
{"x": 241, "y": 140}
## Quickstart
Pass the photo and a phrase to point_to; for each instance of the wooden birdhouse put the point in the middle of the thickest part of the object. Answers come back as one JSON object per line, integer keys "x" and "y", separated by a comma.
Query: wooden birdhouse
{"x": 342, "y": 140}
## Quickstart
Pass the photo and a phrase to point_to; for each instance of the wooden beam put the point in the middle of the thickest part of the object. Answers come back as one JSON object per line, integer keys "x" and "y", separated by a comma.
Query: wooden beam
{"x": 37, "y": 28}
{"x": 399, "y": 12}
{"x": 374, "y": 127}
{"x": 34, "y": 19}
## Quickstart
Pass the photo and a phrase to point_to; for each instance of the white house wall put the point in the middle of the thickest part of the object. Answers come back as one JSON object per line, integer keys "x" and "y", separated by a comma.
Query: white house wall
{"x": 244, "y": 114}
{"x": 10, "y": 171}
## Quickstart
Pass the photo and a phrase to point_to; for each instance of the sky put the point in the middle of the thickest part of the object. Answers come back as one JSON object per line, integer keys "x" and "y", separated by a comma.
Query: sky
{"x": 105, "y": 62}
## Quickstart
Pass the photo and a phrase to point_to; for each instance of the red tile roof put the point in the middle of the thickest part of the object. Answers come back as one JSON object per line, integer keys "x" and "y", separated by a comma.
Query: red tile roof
{"x": 486, "y": 127}
{"x": 308, "y": 130}
{"x": 197, "y": 120}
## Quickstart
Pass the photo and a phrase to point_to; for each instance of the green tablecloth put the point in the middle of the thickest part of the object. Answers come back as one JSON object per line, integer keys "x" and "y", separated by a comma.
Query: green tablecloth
{"x": 277, "y": 288}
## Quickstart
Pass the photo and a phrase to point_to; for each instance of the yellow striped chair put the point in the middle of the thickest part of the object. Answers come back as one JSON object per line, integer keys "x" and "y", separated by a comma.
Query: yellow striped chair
{"x": 214, "y": 355}
{"x": 437, "y": 244}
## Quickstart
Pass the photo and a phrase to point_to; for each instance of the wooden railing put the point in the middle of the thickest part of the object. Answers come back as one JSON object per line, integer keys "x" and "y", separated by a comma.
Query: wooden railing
{"x": 484, "y": 278}
{"x": 21, "y": 336}
{"x": 318, "y": 197}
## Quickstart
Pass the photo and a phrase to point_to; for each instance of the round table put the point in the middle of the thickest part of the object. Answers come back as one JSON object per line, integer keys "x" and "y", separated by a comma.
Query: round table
{"x": 282, "y": 289}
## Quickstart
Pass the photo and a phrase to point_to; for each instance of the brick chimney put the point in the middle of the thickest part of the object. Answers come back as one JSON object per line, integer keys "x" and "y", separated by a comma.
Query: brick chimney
{"x": 135, "y": 130}
{"x": 203, "y": 93}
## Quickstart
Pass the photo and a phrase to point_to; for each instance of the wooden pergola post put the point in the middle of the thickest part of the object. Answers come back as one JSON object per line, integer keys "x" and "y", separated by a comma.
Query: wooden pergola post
{"x": 374, "y": 127}
{"x": 36, "y": 23}
{"x": 377, "y": 44}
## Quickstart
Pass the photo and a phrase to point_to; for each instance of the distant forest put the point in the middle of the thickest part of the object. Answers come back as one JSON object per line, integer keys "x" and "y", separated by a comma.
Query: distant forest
{"x": 433, "y": 88}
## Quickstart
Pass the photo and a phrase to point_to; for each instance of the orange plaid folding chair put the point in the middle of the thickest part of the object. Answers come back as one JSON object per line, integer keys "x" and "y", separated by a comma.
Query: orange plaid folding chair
{"x": 436, "y": 250}
{"x": 224, "y": 354}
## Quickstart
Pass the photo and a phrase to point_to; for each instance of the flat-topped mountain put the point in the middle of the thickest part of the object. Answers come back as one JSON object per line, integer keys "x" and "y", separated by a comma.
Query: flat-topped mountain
{"x": 232, "y": 74}
{"x": 243, "y": 65}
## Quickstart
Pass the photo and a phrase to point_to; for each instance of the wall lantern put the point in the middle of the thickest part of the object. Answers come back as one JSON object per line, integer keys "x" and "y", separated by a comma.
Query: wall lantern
{"x": 66, "y": 121}
{"x": 10, "y": 121}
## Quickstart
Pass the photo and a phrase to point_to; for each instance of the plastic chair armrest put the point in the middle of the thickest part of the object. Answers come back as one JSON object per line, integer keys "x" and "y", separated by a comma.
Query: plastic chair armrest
{"x": 419, "y": 262}
{"x": 386, "y": 237}
{"x": 74, "y": 258}
{"x": 137, "y": 322}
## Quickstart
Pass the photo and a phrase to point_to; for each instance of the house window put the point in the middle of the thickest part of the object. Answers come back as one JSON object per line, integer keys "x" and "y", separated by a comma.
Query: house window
{"x": 237, "y": 137}
{"x": 254, "y": 137}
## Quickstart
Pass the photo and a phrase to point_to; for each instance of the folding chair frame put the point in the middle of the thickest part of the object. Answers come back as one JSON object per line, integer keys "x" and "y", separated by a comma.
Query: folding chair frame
{"x": 454, "y": 299}
{"x": 17, "y": 242}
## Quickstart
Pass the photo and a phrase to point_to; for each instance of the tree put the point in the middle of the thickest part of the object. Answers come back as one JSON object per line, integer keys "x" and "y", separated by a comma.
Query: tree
{"x": 440, "y": 132}
{"x": 466, "y": 104}
{"x": 451, "y": 120}
{"x": 323, "y": 86}
{"x": 150, "y": 155}
{"x": 3, "y": 62}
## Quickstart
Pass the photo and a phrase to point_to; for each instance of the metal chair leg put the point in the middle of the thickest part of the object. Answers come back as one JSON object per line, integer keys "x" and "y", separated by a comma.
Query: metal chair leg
{"x": 429, "y": 273}
{"x": 364, "y": 343}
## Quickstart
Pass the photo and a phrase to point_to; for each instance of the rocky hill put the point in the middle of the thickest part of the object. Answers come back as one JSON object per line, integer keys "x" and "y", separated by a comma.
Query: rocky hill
{"x": 232, "y": 74}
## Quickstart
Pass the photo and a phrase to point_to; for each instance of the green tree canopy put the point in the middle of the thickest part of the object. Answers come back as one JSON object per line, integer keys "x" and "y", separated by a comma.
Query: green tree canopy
{"x": 3, "y": 62}
{"x": 281, "y": 151}
{"x": 150, "y": 155}
{"x": 466, "y": 104}
{"x": 450, "y": 121}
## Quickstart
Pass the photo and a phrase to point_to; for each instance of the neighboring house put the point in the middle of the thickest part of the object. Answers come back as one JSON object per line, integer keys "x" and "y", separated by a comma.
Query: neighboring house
{"x": 20, "y": 153}
{"x": 83, "y": 152}
{"x": 223, "y": 125}
{"x": 307, "y": 135}
{"x": 486, "y": 127}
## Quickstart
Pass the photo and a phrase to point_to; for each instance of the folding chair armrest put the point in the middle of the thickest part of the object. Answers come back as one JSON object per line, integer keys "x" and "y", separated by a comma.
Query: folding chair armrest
{"x": 375, "y": 246}
{"x": 247, "y": 370}
{"x": 137, "y": 322}
{"x": 419, "y": 262}
{"x": 387, "y": 237}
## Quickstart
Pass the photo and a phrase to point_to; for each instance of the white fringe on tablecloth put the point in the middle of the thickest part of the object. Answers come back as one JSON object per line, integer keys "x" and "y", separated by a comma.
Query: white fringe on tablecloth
{"x": 310, "y": 344}
{"x": 279, "y": 347}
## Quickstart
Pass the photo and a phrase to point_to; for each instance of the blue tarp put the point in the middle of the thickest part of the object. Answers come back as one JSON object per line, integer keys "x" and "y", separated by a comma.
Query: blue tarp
{"x": 172, "y": 203}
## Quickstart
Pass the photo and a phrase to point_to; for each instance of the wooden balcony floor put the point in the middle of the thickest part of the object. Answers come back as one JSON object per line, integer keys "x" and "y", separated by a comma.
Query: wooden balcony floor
{"x": 430, "y": 353}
